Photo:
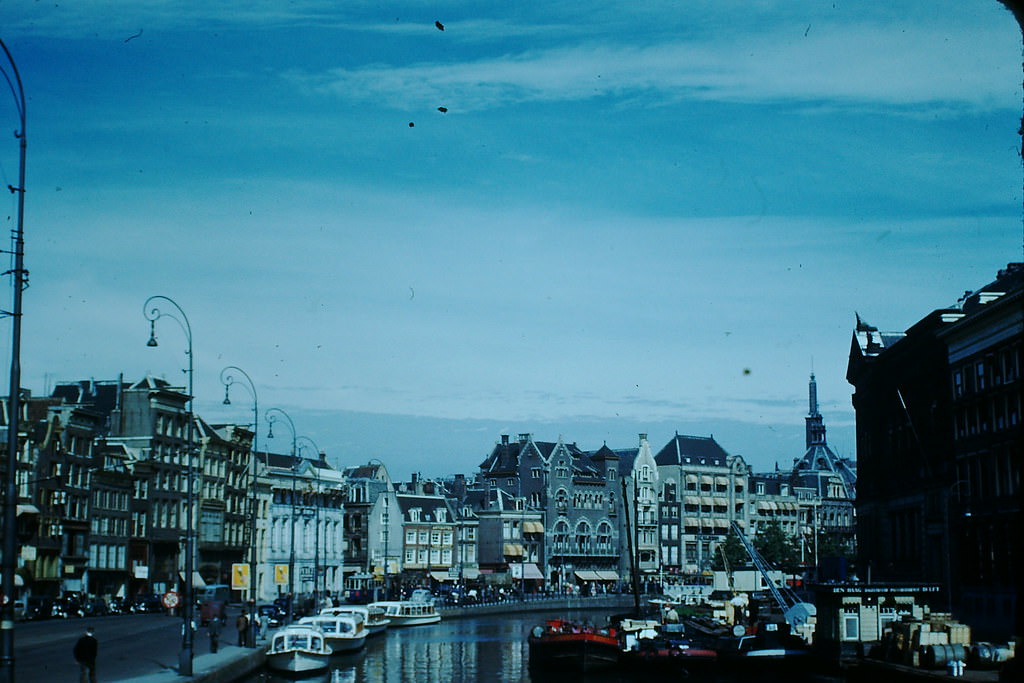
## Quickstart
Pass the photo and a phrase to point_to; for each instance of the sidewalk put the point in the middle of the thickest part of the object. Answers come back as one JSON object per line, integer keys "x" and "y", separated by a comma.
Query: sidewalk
{"x": 229, "y": 664}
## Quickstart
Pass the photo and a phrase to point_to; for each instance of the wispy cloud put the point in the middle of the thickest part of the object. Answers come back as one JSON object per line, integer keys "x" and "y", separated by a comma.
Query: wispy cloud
{"x": 850, "y": 65}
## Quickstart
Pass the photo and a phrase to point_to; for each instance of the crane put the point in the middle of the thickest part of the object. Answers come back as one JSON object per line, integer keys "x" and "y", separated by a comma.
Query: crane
{"x": 795, "y": 611}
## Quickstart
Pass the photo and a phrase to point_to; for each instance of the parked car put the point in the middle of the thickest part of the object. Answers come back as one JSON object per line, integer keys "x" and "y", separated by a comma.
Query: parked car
{"x": 96, "y": 607}
{"x": 119, "y": 606}
{"x": 273, "y": 613}
{"x": 19, "y": 610}
{"x": 39, "y": 607}
{"x": 70, "y": 606}
{"x": 147, "y": 603}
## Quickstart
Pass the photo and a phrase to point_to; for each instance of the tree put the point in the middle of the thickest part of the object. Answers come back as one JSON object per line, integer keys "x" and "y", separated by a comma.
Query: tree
{"x": 777, "y": 548}
{"x": 733, "y": 550}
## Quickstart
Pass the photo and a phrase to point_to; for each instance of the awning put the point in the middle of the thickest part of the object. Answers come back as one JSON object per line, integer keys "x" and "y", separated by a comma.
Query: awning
{"x": 721, "y": 481}
{"x": 706, "y": 479}
{"x": 471, "y": 574}
{"x": 761, "y": 505}
{"x": 692, "y": 500}
{"x": 608, "y": 575}
{"x": 533, "y": 528}
{"x": 442, "y": 576}
{"x": 691, "y": 478}
{"x": 691, "y": 521}
{"x": 722, "y": 523}
{"x": 528, "y": 570}
{"x": 587, "y": 575}
{"x": 31, "y": 509}
{"x": 512, "y": 550}
{"x": 18, "y": 579}
{"x": 197, "y": 580}
{"x": 706, "y": 500}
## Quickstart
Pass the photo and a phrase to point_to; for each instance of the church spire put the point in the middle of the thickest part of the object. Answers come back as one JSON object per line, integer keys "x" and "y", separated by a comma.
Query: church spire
{"x": 815, "y": 426}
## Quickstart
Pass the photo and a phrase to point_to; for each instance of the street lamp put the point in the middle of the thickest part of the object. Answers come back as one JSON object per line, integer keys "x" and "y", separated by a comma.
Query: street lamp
{"x": 316, "y": 526}
{"x": 19, "y": 282}
{"x": 227, "y": 380}
{"x": 271, "y": 419}
{"x": 153, "y": 313}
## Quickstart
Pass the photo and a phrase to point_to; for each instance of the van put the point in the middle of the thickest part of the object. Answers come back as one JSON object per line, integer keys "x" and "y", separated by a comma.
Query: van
{"x": 213, "y": 603}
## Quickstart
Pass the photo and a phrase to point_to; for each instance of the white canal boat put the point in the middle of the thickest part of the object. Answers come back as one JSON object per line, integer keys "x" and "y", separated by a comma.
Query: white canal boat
{"x": 409, "y": 612}
{"x": 344, "y": 633}
{"x": 374, "y": 619}
{"x": 298, "y": 648}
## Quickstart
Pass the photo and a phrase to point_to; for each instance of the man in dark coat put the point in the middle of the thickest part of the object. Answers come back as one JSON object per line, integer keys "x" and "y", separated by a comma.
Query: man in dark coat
{"x": 85, "y": 654}
{"x": 242, "y": 624}
{"x": 214, "y": 630}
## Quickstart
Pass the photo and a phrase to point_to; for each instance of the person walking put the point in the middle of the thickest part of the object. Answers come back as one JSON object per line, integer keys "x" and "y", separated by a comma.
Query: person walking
{"x": 214, "y": 630}
{"x": 242, "y": 624}
{"x": 85, "y": 653}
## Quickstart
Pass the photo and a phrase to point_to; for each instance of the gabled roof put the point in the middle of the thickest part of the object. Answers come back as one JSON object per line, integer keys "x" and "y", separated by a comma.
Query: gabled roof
{"x": 696, "y": 448}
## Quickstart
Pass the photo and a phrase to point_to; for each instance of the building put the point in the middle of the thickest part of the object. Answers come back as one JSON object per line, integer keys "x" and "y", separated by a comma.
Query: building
{"x": 939, "y": 451}
{"x": 703, "y": 489}
{"x": 577, "y": 494}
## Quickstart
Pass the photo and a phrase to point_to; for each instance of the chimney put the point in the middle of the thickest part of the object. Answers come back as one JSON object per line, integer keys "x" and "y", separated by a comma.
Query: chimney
{"x": 524, "y": 437}
{"x": 643, "y": 437}
{"x": 504, "y": 439}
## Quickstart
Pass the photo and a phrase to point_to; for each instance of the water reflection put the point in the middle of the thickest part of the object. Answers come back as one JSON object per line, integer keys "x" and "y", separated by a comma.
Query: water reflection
{"x": 491, "y": 648}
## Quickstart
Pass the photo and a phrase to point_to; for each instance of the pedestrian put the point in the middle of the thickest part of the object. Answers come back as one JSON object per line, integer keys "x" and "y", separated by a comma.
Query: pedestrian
{"x": 85, "y": 654}
{"x": 214, "y": 630}
{"x": 242, "y": 624}
{"x": 264, "y": 625}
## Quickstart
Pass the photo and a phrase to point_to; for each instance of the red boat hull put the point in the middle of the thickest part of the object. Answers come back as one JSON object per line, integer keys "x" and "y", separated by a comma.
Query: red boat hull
{"x": 566, "y": 646}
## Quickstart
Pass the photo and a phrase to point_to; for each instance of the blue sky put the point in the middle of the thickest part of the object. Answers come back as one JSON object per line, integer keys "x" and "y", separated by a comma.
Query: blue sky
{"x": 643, "y": 221}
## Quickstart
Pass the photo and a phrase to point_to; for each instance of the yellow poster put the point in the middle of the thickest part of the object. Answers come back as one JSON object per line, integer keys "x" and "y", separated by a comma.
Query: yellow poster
{"x": 240, "y": 576}
{"x": 280, "y": 575}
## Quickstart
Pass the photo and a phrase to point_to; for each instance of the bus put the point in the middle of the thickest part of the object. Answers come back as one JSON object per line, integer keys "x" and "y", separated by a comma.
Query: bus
{"x": 213, "y": 602}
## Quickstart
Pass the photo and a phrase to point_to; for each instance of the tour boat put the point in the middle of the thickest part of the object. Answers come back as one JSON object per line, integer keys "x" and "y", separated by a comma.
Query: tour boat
{"x": 343, "y": 632}
{"x": 374, "y": 619}
{"x": 408, "y": 612}
{"x": 298, "y": 648}
{"x": 567, "y": 645}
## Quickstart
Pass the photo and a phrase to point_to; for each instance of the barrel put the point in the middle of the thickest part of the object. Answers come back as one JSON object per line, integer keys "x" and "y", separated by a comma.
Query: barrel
{"x": 937, "y": 656}
{"x": 989, "y": 655}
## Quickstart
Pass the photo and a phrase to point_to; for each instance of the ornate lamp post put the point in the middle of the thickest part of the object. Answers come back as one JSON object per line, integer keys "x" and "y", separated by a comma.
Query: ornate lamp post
{"x": 20, "y": 281}
{"x": 316, "y": 526}
{"x": 271, "y": 419}
{"x": 153, "y": 313}
{"x": 227, "y": 380}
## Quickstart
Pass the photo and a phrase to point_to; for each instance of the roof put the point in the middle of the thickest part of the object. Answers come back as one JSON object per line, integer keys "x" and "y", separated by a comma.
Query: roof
{"x": 690, "y": 450}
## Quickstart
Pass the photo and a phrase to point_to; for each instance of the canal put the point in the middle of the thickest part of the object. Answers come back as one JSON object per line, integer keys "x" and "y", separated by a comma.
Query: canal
{"x": 468, "y": 650}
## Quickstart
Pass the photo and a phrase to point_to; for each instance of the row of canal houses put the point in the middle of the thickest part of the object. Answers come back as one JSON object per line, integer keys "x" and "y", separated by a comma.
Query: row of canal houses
{"x": 102, "y": 509}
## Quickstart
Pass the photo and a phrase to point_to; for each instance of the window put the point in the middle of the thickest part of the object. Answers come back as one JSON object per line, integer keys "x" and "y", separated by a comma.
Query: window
{"x": 851, "y": 626}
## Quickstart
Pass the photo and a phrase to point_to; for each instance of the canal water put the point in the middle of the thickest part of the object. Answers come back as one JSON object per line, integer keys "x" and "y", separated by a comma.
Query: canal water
{"x": 471, "y": 650}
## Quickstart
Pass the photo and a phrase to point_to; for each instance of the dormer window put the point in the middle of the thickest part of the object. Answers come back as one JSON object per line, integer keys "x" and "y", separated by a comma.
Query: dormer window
{"x": 415, "y": 514}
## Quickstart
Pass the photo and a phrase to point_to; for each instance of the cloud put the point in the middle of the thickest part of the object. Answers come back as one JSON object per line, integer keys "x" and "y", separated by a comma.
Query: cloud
{"x": 850, "y": 65}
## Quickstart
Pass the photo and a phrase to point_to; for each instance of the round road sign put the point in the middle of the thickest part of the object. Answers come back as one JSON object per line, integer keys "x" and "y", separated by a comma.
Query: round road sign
{"x": 170, "y": 599}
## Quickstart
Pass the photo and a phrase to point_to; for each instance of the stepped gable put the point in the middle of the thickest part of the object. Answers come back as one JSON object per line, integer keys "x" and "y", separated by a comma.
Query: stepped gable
{"x": 681, "y": 447}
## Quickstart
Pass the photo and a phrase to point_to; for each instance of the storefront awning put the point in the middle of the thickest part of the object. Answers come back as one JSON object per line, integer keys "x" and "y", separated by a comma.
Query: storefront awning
{"x": 512, "y": 550}
{"x": 528, "y": 570}
{"x": 197, "y": 580}
{"x": 606, "y": 575}
{"x": 31, "y": 509}
{"x": 587, "y": 575}
{"x": 442, "y": 576}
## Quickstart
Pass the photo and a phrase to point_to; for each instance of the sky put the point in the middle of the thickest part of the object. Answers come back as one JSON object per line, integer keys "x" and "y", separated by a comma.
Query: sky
{"x": 560, "y": 218}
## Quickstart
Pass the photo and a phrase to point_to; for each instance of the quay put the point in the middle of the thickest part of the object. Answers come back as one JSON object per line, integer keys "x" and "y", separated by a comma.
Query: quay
{"x": 232, "y": 663}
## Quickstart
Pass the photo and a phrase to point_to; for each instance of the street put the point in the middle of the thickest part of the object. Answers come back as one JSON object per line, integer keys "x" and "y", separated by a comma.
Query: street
{"x": 129, "y": 645}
